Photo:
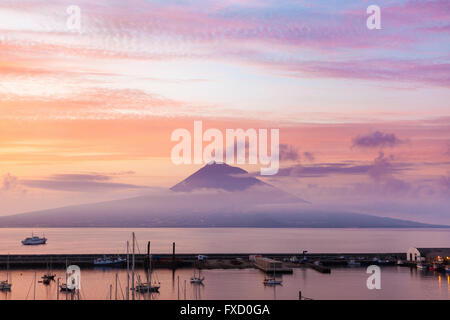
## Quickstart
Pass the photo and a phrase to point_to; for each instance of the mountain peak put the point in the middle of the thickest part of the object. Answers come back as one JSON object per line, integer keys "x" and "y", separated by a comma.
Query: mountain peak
{"x": 215, "y": 175}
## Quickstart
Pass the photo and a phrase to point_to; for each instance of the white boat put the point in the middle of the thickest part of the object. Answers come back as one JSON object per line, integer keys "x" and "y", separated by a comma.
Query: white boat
{"x": 109, "y": 261}
{"x": 34, "y": 240}
{"x": 197, "y": 279}
{"x": 421, "y": 266}
{"x": 5, "y": 285}
{"x": 150, "y": 285}
{"x": 272, "y": 282}
{"x": 400, "y": 262}
{"x": 353, "y": 263}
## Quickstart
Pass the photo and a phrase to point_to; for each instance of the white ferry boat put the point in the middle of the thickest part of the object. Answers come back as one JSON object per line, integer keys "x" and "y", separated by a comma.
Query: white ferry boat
{"x": 34, "y": 240}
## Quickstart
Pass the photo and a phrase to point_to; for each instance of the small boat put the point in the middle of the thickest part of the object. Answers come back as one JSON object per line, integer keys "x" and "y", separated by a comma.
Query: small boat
{"x": 149, "y": 286}
{"x": 272, "y": 282}
{"x": 109, "y": 261}
{"x": 197, "y": 279}
{"x": 421, "y": 266}
{"x": 434, "y": 267}
{"x": 5, "y": 285}
{"x": 34, "y": 240}
{"x": 145, "y": 287}
{"x": 65, "y": 288}
{"x": 353, "y": 263}
{"x": 447, "y": 268}
{"x": 47, "y": 278}
{"x": 400, "y": 262}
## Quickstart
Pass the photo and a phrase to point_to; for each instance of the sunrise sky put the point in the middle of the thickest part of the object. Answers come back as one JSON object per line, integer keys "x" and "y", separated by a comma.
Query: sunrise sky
{"x": 363, "y": 114}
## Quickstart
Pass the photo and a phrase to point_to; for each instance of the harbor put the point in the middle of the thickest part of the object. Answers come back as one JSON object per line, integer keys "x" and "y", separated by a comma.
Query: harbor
{"x": 153, "y": 269}
{"x": 231, "y": 284}
{"x": 213, "y": 260}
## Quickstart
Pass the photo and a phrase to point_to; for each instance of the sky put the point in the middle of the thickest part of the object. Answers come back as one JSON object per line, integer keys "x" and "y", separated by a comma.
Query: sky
{"x": 86, "y": 115}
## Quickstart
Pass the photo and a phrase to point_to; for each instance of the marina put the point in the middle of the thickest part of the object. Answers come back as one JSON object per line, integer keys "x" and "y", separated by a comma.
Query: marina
{"x": 342, "y": 283}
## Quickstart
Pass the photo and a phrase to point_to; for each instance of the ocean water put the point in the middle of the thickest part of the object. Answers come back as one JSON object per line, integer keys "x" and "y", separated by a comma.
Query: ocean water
{"x": 342, "y": 283}
{"x": 224, "y": 240}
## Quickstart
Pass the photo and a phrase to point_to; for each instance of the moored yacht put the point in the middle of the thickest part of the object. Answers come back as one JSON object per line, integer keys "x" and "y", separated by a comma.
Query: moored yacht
{"x": 109, "y": 261}
{"x": 146, "y": 287}
{"x": 5, "y": 285}
{"x": 272, "y": 281}
{"x": 421, "y": 266}
{"x": 197, "y": 279}
{"x": 143, "y": 287}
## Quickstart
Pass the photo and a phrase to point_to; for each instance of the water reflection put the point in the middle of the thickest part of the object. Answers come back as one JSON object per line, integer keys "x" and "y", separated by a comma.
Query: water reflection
{"x": 342, "y": 283}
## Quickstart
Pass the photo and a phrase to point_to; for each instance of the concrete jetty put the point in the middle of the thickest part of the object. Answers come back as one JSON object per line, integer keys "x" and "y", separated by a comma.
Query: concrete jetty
{"x": 213, "y": 260}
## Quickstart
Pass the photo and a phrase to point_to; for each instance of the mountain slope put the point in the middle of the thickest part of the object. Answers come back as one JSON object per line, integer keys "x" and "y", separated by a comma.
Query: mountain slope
{"x": 215, "y": 196}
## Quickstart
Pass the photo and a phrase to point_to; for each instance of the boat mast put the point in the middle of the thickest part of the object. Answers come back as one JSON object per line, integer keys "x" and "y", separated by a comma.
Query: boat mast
{"x": 149, "y": 264}
{"x": 132, "y": 270}
{"x": 128, "y": 271}
{"x": 67, "y": 287}
{"x": 7, "y": 270}
{"x": 34, "y": 294}
{"x": 149, "y": 271}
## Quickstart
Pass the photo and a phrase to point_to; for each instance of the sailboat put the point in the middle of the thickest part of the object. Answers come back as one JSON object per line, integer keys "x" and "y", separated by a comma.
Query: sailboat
{"x": 48, "y": 276}
{"x": 5, "y": 284}
{"x": 197, "y": 279}
{"x": 272, "y": 280}
{"x": 145, "y": 287}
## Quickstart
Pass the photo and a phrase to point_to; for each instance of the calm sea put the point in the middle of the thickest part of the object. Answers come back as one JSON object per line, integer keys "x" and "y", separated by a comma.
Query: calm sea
{"x": 224, "y": 240}
{"x": 342, "y": 283}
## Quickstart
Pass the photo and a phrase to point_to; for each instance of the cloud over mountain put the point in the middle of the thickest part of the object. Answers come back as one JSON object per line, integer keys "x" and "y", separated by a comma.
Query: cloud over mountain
{"x": 376, "y": 139}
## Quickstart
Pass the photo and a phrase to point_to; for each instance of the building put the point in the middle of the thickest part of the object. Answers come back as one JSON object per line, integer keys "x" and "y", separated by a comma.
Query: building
{"x": 428, "y": 254}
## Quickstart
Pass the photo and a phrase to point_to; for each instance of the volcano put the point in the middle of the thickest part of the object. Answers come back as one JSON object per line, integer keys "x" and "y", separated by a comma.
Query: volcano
{"x": 217, "y": 195}
{"x": 218, "y": 176}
